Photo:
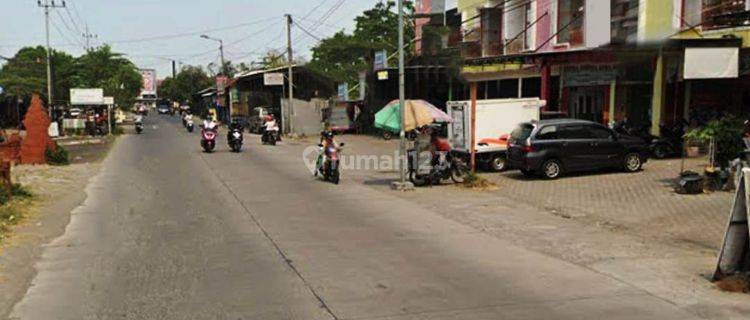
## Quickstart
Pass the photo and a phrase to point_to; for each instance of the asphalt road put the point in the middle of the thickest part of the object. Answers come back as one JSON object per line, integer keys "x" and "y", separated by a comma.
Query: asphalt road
{"x": 168, "y": 232}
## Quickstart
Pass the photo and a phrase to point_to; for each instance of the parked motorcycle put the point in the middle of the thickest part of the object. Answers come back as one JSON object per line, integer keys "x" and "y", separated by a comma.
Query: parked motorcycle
{"x": 448, "y": 166}
{"x": 671, "y": 141}
{"x": 234, "y": 139}
{"x": 329, "y": 168}
{"x": 208, "y": 139}
{"x": 270, "y": 137}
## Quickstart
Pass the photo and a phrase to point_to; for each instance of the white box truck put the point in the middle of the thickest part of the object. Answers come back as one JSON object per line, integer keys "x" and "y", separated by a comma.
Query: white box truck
{"x": 494, "y": 119}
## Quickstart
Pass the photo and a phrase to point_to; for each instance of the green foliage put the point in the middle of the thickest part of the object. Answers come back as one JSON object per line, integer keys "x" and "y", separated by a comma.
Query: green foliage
{"x": 26, "y": 73}
{"x": 342, "y": 56}
{"x": 57, "y": 157}
{"x": 102, "y": 68}
{"x": 727, "y": 134}
{"x": 189, "y": 80}
{"x": 17, "y": 191}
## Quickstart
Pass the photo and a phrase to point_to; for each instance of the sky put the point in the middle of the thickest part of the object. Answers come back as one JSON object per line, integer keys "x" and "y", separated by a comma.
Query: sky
{"x": 154, "y": 32}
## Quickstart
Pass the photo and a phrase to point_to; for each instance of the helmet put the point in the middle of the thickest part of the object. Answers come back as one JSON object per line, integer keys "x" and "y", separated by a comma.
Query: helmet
{"x": 328, "y": 134}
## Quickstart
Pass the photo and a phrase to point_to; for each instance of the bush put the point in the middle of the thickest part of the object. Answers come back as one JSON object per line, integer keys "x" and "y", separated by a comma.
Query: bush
{"x": 727, "y": 134}
{"x": 58, "y": 156}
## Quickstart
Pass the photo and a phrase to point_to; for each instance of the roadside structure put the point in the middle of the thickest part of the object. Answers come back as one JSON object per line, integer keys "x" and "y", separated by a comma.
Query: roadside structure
{"x": 607, "y": 60}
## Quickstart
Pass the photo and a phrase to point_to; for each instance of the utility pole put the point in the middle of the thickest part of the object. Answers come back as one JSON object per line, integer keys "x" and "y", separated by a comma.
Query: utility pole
{"x": 174, "y": 69}
{"x": 402, "y": 184}
{"x": 49, "y": 4}
{"x": 289, "y": 22}
{"x": 88, "y": 36}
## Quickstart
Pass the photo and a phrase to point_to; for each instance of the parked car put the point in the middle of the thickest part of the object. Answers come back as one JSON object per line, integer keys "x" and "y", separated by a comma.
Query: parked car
{"x": 552, "y": 147}
{"x": 74, "y": 112}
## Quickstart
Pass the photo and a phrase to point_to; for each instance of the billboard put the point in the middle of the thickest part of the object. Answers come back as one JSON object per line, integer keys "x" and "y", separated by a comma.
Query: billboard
{"x": 87, "y": 96}
{"x": 149, "y": 82}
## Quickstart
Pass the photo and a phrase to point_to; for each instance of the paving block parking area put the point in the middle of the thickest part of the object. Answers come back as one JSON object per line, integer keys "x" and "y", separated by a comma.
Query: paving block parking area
{"x": 641, "y": 203}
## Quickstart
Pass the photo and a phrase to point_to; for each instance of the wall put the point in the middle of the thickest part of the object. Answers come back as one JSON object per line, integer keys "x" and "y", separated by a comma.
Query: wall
{"x": 656, "y": 19}
{"x": 597, "y": 24}
{"x": 307, "y": 115}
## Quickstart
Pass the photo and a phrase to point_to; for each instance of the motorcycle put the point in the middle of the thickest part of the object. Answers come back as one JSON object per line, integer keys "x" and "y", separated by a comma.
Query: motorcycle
{"x": 448, "y": 166}
{"x": 329, "y": 168}
{"x": 270, "y": 137}
{"x": 671, "y": 141}
{"x": 189, "y": 125}
{"x": 138, "y": 127}
{"x": 234, "y": 139}
{"x": 208, "y": 139}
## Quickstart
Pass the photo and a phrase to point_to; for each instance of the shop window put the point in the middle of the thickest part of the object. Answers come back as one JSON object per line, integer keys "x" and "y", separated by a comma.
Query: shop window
{"x": 570, "y": 16}
{"x": 531, "y": 87}
{"x": 508, "y": 89}
{"x": 493, "y": 89}
{"x": 492, "y": 19}
{"x": 625, "y": 21}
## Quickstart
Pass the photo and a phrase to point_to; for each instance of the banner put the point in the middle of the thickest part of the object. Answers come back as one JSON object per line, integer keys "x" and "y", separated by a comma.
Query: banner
{"x": 343, "y": 92}
{"x": 86, "y": 96}
{"x": 381, "y": 60}
{"x": 711, "y": 63}
{"x": 149, "y": 82}
{"x": 273, "y": 79}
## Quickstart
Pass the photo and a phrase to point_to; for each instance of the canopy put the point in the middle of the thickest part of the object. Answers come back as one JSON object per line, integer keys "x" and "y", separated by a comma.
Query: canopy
{"x": 418, "y": 113}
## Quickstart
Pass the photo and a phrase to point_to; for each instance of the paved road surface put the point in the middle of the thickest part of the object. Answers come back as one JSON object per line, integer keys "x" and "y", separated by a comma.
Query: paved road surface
{"x": 168, "y": 232}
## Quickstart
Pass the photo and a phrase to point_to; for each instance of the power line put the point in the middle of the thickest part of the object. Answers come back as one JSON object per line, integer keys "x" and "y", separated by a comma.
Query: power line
{"x": 305, "y": 30}
{"x": 188, "y": 34}
{"x": 65, "y": 24}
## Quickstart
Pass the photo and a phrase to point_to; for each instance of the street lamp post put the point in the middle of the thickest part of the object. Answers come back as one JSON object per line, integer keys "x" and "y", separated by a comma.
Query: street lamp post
{"x": 221, "y": 51}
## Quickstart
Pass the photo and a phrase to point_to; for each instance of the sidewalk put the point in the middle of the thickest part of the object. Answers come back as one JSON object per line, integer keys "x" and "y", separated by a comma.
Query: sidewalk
{"x": 632, "y": 227}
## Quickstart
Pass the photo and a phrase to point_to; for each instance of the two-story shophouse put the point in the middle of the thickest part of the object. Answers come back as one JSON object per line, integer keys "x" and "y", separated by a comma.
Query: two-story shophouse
{"x": 600, "y": 60}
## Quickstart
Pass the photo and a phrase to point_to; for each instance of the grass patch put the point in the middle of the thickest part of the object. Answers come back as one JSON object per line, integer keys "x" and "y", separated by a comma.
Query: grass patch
{"x": 12, "y": 210}
{"x": 57, "y": 157}
{"x": 476, "y": 182}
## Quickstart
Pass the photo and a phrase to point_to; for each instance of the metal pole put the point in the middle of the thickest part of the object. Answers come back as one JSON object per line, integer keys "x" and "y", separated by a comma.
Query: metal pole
{"x": 401, "y": 89}
{"x": 50, "y": 98}
{"x": 109, "y": 119}
{"x": 221, "y": 51}
{"x": 291, "y": 71}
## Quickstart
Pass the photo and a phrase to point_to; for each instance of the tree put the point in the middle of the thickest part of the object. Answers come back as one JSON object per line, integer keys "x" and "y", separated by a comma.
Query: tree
{"x": 26, "y": 73}
{"x": 342, "y": 56}
{"x": 188, "y": 81}
{"x": 102, "y": 68}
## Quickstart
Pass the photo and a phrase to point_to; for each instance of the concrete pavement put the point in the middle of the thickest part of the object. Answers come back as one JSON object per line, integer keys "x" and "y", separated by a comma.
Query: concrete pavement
{"x": 171, "y": 233}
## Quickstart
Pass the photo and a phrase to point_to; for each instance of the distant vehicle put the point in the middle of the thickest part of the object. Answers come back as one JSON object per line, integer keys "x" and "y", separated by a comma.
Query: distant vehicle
{"x": 75, "y": 112}
{"x": 551, "y": 148}
{"x": 256, "y": 120}
{"x": 164, "y": 109}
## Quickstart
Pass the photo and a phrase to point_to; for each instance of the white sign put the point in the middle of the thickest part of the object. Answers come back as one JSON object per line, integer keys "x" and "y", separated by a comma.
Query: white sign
{"x": 86, "y": 96}
{"x": 711, "y": 63}
{"x": 273, "y": 79}
{"x": 109, "y": 101}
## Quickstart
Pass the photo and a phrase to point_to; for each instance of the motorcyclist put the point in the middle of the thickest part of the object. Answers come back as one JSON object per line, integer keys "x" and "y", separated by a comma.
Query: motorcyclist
{"x": 327, "y": 139}
{"x": 234, "y": 125}
{"x": 269, "y": 125}
{"x": 209, "y": 124}
{"x": 138, "y": 118}
{"x": 439, "y": 147}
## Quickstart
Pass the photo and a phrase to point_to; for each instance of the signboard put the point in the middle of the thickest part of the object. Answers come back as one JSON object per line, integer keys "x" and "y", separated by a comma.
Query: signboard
{"x": 221, "y": 84}
{"x": 109, "y": 101}
{"x": 273, "y": 79}
{"x": 712, "y": 63}
{"x": 343, "y": 92}
{"x": 588, "y": 76}
{"x": 149, "y": 82}
{"x": 381, "y": 60}
{"x": 86, "y": 96}
{"x": 383, "y": 75}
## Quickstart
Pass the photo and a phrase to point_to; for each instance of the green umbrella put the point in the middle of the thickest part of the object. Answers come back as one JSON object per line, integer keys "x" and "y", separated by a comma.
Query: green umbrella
{"x": 418, "y": 113}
